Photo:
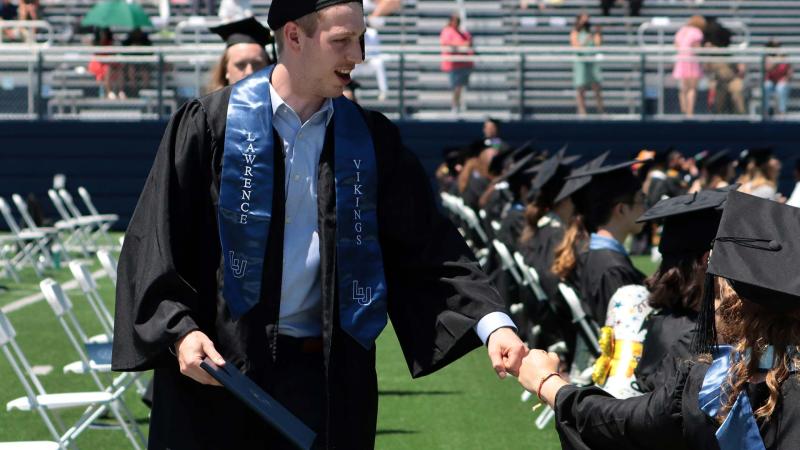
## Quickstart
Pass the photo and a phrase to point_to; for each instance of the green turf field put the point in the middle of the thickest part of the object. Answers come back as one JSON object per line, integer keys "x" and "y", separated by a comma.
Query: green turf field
{"x": 465, "y": 406}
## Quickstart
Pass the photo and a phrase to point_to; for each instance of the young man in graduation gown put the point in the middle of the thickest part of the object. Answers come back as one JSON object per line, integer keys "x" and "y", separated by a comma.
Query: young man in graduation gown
{"x": 279, "y": 227}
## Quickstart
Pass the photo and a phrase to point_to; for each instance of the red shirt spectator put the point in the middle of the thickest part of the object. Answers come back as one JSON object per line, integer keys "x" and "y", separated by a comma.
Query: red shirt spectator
{"x": 455, "y": 42}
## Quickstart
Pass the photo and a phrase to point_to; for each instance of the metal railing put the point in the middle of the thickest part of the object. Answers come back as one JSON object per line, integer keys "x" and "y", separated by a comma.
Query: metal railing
{"x": 528, "y": 83}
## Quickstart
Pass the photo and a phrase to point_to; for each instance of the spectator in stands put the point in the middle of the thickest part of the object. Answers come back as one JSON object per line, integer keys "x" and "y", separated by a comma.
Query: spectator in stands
{"x": 727, "y": 94}
{"x": 456, "y": 43}
{"x": 794, "y": 199}
{"x": 28, "y": 9}
{"x": 778, "y": 73}
{"x": 137, "y": 75}
{"x": 107, "y": 73}
{"x": 244, "y": 54}
{"x": 634, "y": 6}
{"x": 374, "y": 62}
{"x": 687, "y": 68}
{"x": 586, "y": 72}
{"x": 8, "y": 11}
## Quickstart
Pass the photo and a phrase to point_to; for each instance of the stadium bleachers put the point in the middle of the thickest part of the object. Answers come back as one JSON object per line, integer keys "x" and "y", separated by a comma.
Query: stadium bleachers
{"x": 512, "y": 80}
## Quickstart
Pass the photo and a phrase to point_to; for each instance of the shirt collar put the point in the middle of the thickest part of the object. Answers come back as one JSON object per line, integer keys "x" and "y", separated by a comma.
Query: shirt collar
{"x": 277, "y": 102}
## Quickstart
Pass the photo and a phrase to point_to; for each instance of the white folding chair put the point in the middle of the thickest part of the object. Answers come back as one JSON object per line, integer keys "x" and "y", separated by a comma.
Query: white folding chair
{"x": 89, "y": 287}
{"x": 89, "y": 363}
{"x": 101, "y": 223}
{"x": 81, "y": 228}
{"x": 46, "y": 405}
{"x": 87, "y": 201}
{"x": 531, "y": 277}
{"x": 32, "y": 244}
{"x": 53, "y": 234}
{"x": 109, "y": 264}
{"x": 586, "y": 348}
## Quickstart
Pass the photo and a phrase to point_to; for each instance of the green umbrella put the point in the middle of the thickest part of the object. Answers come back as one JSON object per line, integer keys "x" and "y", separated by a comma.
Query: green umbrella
{"x": 118, "y": 14}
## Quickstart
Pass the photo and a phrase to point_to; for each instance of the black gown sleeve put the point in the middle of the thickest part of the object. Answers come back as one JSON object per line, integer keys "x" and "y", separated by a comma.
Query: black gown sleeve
{"x": 167, "y": 257}
{"x": 437, "y": 292}
{"x": 590, "y": 418}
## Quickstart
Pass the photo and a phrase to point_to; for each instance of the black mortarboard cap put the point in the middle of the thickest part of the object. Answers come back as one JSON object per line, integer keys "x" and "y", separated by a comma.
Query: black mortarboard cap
{"x": 756, "y": 249}
{"x": 576, "y": 180}
{"x": 717, "y": 160}
{"x": 550, "y": 168}
{"x": 690, "y": 221}
{"x": 518, "y": 168}
{"x": 506, "y": 153}
{"x": 245, "y": 31}
{"x": 283, "y": 11}
{"x": 602, "y": 183}
{"x": 759, "y": 155}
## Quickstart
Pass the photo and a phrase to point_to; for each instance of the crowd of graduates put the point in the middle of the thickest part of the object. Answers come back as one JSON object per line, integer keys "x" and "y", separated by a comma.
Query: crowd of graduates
{"x": 576, "y": 222}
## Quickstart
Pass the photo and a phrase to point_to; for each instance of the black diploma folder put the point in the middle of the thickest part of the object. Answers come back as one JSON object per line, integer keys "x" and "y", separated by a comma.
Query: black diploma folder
{"x": 262, "y": 403}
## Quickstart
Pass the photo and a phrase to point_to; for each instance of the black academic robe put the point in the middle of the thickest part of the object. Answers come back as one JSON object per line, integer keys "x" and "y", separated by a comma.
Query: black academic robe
{"x": 170, "y": 276}
{"x": 667, "y": 343}
{"x": 602, "y": 273}
{"x": 511, "y": 226}
{"x": 668, "y": 418}
{"x": 539, "y": 253}
{"x": 476, "y": 187}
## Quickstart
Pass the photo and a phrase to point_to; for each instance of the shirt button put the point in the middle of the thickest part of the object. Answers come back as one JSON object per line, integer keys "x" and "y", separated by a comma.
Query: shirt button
{"x": 297, "y": 177}
{"x": 288, "y": 220}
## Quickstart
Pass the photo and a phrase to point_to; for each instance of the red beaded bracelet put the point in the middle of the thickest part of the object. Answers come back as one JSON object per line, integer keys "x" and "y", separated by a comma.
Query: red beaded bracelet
{"x": 541, "y": 383}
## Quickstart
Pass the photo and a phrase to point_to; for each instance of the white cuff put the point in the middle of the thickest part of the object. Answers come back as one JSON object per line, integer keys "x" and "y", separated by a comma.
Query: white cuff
{"x": 491, "y": 322}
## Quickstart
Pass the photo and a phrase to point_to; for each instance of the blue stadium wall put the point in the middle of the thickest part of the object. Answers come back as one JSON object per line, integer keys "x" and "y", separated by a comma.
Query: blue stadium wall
{"x": 112, "y": 159}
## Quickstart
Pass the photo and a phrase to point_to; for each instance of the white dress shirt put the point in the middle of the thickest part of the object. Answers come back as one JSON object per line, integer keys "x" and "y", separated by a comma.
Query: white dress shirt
{"x": 301, "y": 291}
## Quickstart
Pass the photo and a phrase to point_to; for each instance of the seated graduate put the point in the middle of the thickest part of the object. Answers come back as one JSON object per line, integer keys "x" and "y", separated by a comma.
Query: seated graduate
{"x": 512, "y": 221}
{"x": 690, "y": 224}
{"x": 545, "y": 223}
{"x": 245, "y": 52}
{"x": 745, "y": 395}
{"x": 475, "y": 177}
{"x": 498, "y": 198}
{"x": 716, "y": 172}
{"x": 608, "y": 200}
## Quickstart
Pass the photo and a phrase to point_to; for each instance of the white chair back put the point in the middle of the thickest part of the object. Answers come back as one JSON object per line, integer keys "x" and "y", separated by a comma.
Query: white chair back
{"x": 87, "y": 200}
{"x": 109, "y": 265}
{"x": 22, "y": 207}
{"x": 8, "y": 217}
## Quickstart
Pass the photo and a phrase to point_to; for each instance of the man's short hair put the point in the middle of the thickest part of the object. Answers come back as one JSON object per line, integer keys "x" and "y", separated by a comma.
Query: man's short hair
{"x": 308, "y": 24}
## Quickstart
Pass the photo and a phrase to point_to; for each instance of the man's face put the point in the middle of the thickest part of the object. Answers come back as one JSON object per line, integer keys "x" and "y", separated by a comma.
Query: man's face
{"x": 489, "y": 129}
{"x": 333, "y": 51}
{"x": 244, "y": 59}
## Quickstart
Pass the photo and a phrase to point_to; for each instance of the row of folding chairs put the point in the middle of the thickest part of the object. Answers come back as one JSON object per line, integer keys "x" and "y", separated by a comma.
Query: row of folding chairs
{"x": 93, "y": 355}
{"x": 527, "y": 278}
{"x": 29, "y": 244}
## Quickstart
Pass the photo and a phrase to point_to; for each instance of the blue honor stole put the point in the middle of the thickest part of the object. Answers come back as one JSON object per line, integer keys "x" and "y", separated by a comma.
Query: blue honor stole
{"x": 245, "y": 208}
{"x": 598, "y": 242}
{"x": 739, "y": 430}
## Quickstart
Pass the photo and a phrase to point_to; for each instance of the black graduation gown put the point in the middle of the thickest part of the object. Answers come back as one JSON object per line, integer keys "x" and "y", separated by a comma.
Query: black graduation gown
{"x": 668, "y": 418}
{"x": 667, "y": 343}
{"x": 511, "y": 227}
{"x": 476, "y": 186}
{"x": 602, "y": 273}
{"x": 539, "y": 252}
{"x": 170, "y": 276}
